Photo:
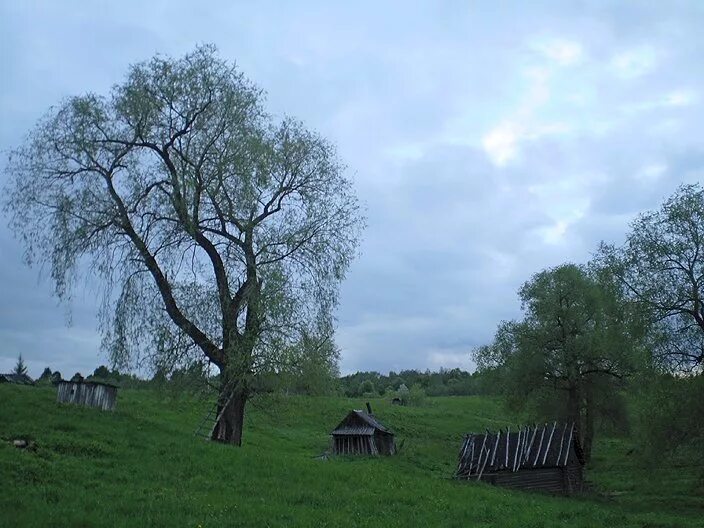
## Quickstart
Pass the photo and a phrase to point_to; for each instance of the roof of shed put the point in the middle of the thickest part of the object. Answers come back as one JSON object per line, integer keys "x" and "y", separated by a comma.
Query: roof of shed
{"x": 21, "y": 379}
{"x": 530, "y": 447}
{"x": 360, "y": 423}
{"x": 354, "y": 431}
{"x": 91, "y": 382}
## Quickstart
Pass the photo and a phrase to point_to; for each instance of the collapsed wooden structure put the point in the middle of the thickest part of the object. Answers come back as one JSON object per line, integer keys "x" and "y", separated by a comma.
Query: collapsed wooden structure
{"x": 90, "y": 393}
{"x": 544, "y": 458}
{"x": 360, "y": 433}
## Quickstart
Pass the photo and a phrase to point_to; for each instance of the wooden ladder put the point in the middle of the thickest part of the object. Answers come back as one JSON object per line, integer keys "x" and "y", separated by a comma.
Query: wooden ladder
{"x": 210, "y": 421}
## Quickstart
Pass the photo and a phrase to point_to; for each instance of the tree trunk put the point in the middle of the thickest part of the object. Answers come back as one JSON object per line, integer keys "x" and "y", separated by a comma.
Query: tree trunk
{"x": 231, "y": 419}
{"x": 574, "y": 406}
{"x": 589, "y": 423}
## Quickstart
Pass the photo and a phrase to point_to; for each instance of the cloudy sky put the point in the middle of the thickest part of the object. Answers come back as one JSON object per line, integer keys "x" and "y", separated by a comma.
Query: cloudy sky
{"x": 488, "y": 142}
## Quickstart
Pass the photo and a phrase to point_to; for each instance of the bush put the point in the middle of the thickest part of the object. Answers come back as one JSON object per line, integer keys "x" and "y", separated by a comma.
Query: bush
{"x": 416, "y": 396}
{"x": 366, "y": 387}
{"x": 403, "y": 394}
{"x": 670, "y": 415}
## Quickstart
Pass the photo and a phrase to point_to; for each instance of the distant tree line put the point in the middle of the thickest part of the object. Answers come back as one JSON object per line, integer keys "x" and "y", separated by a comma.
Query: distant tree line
{"x": 445, "y": 382}
{"x": 101, "y": 373}
{"x": 314, "y": 379}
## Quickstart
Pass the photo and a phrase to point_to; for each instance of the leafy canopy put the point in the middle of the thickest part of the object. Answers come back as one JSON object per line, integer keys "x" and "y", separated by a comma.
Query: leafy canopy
{"x": 575, "y": 331}
{"x": 213, "y": 229}
{"x": 661, "y": 267}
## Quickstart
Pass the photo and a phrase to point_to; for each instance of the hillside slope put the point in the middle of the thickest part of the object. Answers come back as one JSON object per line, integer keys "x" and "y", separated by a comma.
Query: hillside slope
{"x": 142, "y": 466}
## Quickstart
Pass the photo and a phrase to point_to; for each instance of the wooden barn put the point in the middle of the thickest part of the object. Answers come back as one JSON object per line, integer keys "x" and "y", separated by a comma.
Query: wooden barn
{"x": 542, "y": 458}
{"x": 91, "y": 393}
{"x": 360, "y": 433}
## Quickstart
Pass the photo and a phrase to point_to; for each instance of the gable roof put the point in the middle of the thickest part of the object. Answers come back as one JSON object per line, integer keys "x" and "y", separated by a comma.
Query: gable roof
{"x": 531, "y": 447}
{"x": 21, "y": 379}
{"x": 360, "y": 423}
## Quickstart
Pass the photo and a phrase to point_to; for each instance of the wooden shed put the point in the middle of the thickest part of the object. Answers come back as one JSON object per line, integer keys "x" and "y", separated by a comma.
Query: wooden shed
{"x": 542, "y": 458}
{"x": 91, "y": 393}
{"x": 18, "y": 379}
{"x": 360, "y": 433}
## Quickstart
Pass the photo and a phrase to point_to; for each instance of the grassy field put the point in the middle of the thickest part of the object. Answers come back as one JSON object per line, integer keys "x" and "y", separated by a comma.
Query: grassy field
{"x": 142, "y": 466}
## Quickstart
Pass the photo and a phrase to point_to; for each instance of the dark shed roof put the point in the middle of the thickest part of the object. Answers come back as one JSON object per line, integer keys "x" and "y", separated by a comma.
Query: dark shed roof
{"x": 360, "y": 423}
{"x": 20, "y": 379}
{"x": 530, "y": 447}
{"x": 91, "y": 382}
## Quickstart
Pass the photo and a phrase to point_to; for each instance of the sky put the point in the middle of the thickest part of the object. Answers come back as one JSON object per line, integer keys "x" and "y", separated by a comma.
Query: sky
{"x": 487, "y": 140}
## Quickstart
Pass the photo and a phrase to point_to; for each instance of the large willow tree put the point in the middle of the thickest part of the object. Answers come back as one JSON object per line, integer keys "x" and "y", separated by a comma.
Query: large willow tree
{"x": 219, "y": 233}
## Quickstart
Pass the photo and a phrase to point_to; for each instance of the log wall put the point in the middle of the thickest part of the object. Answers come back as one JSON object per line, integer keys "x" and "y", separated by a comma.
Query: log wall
{"x": 89, "y": 394}
{"x": 551, "y": 480}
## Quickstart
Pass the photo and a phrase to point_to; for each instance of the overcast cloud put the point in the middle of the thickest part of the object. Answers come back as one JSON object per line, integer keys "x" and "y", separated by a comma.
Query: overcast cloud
{"x": 487, "y": 143}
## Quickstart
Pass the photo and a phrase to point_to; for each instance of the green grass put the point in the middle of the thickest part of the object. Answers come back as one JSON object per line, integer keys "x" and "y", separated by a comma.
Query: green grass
{"x": 142, "y": 466}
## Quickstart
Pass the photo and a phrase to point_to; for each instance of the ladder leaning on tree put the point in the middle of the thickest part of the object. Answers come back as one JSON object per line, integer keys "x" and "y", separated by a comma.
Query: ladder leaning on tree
{"x": 211, "y": 420}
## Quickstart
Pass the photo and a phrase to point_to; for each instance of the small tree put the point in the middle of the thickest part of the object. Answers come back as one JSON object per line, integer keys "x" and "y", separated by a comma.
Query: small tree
{"x": 46, "y": 375}
{"x": 20, "y": 367}
{"x": 313, "y": 368}
{"x": 102, "y": 372}
{"x": 220, "y": 234}
{"x": 416, "y": 395}
{"x": 159, "y": 379}
{"x": 366, "y": 388}
{"x": 55, "y": 377}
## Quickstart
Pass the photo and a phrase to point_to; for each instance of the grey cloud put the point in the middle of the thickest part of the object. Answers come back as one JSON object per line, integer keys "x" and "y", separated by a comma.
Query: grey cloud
{"x": 607, "y": 126}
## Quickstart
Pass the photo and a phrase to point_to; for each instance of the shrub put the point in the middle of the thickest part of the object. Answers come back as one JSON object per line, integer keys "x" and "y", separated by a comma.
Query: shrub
{"x": 416, "y": 396}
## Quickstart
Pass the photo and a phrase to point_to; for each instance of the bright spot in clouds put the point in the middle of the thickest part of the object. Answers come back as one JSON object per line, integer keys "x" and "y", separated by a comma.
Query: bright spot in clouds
{"x": 634, "y": 63}
{"x": 651, "y": 173}
{"x": 500, "y": 143}
{"x": 563, "y": 52}
{"x": 680, "y": 98}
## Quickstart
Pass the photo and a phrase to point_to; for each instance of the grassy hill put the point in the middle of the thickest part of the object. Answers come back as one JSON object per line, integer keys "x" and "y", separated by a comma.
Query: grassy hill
{"x": 142, "y": 466}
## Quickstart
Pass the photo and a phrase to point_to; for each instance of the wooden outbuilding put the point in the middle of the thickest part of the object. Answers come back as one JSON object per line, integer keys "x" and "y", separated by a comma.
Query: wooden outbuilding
{"x": 90, "y": 393}
{"x": 360, "y": 433}
{"x": 542, "y": 458}
{"x": 18, "y": 379}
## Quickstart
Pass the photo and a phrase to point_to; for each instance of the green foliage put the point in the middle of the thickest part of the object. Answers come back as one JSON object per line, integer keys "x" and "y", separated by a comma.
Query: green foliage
{"x": 217, "y": 232}
{"x": 416, "y": 395}
{"x": 577, "y": 342}
{"x": 20, "y": 367}
{"x": 445, "y": 382}
{"x": 102, "y": 372}
{"x": 366, "y": 388}
{"x": 312, "y": 367}
{"x": 159, "y": 378}
{"x": 670, "y": 414}
{"x": 142, "y": 465}
{"x": 191, "y": 380}
{"x": 403, "y": 394}
{"x": 46, "y": 376}
{"x": 660, "y": 266}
